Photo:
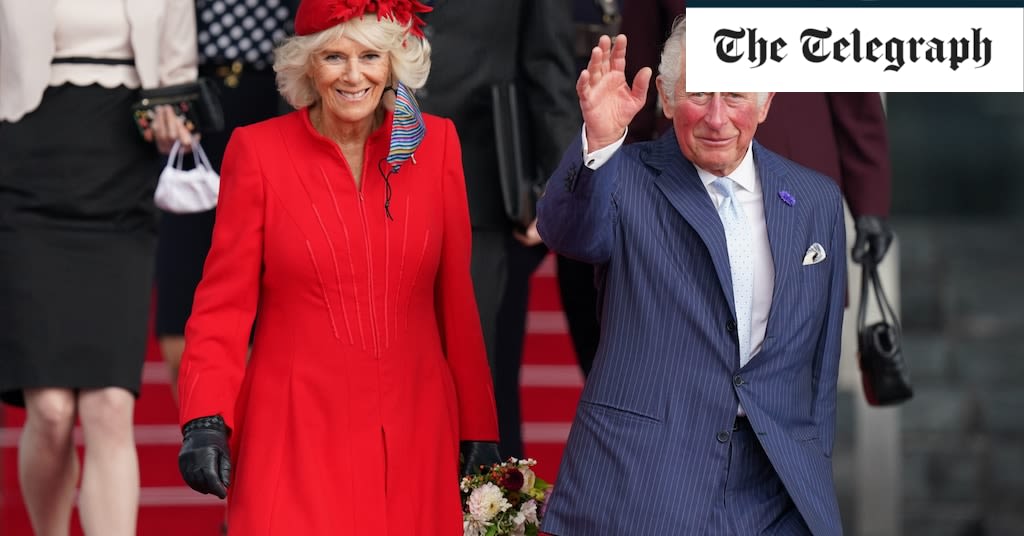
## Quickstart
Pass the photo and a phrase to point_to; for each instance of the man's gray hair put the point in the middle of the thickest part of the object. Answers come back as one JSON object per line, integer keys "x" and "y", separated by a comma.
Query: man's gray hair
{"x": 672, "y": 55}
{"x": 672, "y": 60}
{"x": 410, "y": 56}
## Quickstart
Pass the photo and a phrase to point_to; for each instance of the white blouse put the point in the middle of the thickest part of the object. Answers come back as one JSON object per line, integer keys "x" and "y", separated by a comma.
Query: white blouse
{"x": 93, "y": 29}
{"x": 162, "y": 34}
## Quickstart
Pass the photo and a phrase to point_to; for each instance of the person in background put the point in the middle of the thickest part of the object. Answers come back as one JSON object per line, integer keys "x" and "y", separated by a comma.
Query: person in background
{"x": 343, "y": 230}
{"x": 592, "y": 19}
{"x": 647, "y": 23}
{"x": 842, "y": 135}
{"x": 481, "y": 45}
{"x": 236, "y": 40}
{"x": 77, "y": 237}
{"x": 711, "y": 405}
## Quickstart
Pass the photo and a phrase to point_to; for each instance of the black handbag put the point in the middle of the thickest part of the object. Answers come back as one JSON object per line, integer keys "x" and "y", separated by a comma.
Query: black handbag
{"x": 883, "y": 372}
{"x": 197, "y": 103}
{"x": 520, "y": 180}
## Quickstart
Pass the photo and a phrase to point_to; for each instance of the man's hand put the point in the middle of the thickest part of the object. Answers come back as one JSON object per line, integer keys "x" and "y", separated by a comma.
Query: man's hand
{"x": 528, "y": 237}
{"x": 203, "y": 460}
{"x": 873, "y": 239}
{"x": 608, "y": 103}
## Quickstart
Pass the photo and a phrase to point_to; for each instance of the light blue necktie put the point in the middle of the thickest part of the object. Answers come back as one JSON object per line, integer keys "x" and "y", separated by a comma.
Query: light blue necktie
{"x": 741, "y": 260}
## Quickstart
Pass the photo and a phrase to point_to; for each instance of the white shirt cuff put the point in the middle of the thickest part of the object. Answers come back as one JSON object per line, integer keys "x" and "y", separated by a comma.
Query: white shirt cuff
{"x": 597, "y": 158}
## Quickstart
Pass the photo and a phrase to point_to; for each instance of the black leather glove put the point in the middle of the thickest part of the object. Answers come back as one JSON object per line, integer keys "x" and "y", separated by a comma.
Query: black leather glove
{"x": 204, "y": 460}
{"x": 477, "y": 453}
{"x": 873, "y": 239}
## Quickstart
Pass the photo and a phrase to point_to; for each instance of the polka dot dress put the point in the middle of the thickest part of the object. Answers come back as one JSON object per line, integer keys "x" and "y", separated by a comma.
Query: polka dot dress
{"x": 241, "y": 30}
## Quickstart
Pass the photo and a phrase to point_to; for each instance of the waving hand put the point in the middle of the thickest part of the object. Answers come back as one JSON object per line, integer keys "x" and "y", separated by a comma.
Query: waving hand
{"x": 607, "y": 101}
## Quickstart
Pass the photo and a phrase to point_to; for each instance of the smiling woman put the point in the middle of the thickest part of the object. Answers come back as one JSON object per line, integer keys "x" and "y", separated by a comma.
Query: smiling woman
{"x": 350, "y": 79}
{"x": 344, "y": 227}
{"x": 409, "y": 57}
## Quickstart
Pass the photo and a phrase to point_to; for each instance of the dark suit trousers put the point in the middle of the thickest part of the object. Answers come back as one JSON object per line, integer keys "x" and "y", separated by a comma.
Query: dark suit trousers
{"x": 579, "y": 301}
{"x": 489, "y": 271}
{"x": 753, "y": 501}
{"x": 511, "y": 332}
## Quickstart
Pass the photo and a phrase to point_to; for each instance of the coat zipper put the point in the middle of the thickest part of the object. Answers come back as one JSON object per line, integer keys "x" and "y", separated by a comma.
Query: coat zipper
{"x": 369, "y": 264}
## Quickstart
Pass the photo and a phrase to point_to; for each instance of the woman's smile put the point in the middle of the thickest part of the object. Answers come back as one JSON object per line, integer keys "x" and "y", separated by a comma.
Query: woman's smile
{"x": 353, "y": 95}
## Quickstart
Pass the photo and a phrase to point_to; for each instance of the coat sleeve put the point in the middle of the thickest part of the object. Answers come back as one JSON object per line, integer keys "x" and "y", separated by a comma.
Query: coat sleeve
{"x": 577, "y": 213}
{"x": 455, "y": 305}
{"x": 217, "y": 333}
{"x": 827, "y": 353}
{"x": 178, "y": 44}
{"x": 863, "y": 146}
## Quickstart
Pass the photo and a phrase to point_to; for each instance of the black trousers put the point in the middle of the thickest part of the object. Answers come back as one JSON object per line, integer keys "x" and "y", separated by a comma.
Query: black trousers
{"x": 511, "y": 332}
{"x": 578, "y": 292}
{"x": 576, "y": 286}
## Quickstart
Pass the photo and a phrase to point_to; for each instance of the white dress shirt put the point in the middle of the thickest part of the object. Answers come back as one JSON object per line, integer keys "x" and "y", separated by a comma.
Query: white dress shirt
{"x": 752, "y": 200}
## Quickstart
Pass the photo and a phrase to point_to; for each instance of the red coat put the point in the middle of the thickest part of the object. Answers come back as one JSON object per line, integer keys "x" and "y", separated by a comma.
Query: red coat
{"x": 368, "y": 362}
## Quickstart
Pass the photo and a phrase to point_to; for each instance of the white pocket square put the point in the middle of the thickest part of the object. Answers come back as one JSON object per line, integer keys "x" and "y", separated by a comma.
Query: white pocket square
{"x": 814, "y": 255}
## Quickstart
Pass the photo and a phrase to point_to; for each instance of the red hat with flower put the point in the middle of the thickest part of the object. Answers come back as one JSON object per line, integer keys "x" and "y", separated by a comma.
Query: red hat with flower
{"x": 318, "y": 15}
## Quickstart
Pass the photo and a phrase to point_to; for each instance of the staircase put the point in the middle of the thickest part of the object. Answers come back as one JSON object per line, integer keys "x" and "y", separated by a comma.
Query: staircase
{"x": 550, "y": 387}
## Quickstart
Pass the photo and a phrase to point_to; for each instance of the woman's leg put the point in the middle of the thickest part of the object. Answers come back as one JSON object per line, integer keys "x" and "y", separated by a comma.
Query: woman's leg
{"x": 47, "y": 461}
{"x": 108, "y": 502}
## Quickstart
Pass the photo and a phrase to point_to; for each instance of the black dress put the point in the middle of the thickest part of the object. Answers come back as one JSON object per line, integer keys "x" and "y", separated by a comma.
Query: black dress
{"x": 77, "y": 238}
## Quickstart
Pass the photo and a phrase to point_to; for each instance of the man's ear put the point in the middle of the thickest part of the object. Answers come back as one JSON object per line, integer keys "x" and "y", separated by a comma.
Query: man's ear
{"x": 664, "y": 96}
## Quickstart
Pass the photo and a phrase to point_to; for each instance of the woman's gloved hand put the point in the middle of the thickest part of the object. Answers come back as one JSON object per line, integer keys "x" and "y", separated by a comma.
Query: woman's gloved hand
{"x": 204, "y": 460}
{"x": 477, "y": 453}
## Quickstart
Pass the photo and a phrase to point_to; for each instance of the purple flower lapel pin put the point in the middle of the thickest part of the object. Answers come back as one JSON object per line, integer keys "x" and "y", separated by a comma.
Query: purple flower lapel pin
{"x": 787, "y": 198}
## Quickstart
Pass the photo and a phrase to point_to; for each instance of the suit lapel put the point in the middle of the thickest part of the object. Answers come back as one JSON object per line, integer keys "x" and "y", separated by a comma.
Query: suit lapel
{"x": 782, "y": 219}
{"x": 678, "y": 181}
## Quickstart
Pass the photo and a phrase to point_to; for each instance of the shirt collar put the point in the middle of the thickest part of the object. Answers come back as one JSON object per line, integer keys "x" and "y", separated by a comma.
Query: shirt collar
{"x": 744, "y": 176}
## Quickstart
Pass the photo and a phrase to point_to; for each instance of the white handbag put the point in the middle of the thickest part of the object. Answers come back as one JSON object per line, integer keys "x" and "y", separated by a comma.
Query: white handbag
{"x": 184, "y": 191}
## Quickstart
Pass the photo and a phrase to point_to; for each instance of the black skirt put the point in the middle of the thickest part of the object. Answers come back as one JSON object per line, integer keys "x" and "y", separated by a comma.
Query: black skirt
{"x": 77, "y": 240}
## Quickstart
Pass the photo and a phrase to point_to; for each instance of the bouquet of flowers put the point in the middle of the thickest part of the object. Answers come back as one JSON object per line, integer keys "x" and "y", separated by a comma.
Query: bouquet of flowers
{"x": 505, "y": 500}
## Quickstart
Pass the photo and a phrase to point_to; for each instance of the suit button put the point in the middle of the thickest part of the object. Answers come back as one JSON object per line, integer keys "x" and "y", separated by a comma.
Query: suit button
{"x": 730, "y": 326}
{"x": 737, "y": 380}
{"x": 723, "y": 437}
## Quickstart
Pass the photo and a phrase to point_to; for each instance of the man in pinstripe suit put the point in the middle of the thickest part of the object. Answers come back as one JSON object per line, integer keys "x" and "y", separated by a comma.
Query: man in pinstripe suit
{"x": 710, "y": 409}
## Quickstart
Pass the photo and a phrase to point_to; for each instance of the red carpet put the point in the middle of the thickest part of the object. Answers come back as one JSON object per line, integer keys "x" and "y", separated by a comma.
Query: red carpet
{"x": 550, "y": 381}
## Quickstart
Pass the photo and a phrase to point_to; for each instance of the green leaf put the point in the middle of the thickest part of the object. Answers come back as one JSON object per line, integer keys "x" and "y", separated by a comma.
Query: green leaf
{"x": 492, "y": 531}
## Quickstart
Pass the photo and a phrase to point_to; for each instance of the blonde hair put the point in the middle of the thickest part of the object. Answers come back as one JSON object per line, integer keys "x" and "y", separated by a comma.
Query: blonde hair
{"x": 410, "y": 55}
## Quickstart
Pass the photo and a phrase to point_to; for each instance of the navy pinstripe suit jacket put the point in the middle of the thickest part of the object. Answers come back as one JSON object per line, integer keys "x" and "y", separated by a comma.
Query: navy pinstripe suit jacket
{"x": 648, "y": 448}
